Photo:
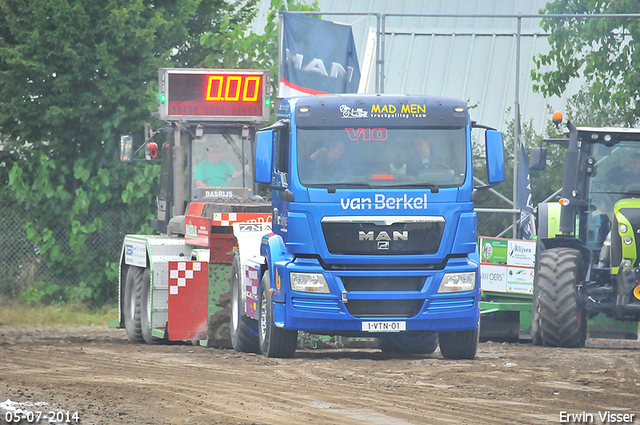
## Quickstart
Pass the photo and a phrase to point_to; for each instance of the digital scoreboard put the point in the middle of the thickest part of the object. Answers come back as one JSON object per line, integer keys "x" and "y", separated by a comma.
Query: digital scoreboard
{"x": 213, "y": 94}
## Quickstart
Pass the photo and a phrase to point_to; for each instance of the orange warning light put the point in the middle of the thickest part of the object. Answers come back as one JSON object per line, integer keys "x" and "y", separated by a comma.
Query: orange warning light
{"x": 557, "y": 118}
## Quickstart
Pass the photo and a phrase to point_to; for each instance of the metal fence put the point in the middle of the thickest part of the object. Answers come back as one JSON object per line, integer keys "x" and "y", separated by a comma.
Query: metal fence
{"x": 21, "y": 263}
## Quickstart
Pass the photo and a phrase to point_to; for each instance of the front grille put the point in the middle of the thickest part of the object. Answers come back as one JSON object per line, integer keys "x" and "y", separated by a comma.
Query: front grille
{"x": 447, "y": 304}
{"x": 372, "y": 238}
{"x": 384, "y": 308}
{"x": 316, "y": 305}
{"x": 383, "y": 283}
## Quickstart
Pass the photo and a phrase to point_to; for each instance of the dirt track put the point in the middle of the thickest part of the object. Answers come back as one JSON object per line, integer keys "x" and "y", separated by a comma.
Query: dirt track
{"x": 97, "y": 373}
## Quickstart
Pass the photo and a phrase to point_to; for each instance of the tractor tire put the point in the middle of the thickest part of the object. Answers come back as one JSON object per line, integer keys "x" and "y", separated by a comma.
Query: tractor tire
{"x": 274, "y": 341}
{"x": 562, "y": 321}
{"x": 131, "y": 305}
{"x": 409, "y": 343}
{"x": 244, "y": 330}
{"x": 145, "y": 312}
{"x": 459, "y": 344}
{"x": 536, "y": 335}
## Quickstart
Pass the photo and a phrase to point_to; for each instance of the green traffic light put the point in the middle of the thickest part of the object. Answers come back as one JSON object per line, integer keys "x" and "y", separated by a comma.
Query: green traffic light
{"x": 267, "y": 101}
{"x": 163, "y": 98}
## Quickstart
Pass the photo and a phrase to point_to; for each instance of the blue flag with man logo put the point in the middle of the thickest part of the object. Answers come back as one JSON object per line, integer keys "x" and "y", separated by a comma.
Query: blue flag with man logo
{"x": 525, "y": 201}
{"x": 317, "y": 57}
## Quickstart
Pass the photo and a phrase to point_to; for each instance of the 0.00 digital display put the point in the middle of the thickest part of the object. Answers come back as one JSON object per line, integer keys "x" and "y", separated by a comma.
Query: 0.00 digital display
{"x": 215, "y": 95}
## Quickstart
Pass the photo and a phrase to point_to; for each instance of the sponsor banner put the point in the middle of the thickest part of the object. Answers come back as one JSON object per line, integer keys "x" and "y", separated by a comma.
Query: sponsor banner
{"x": 228, "y": 219}
{"x": 507, "y": 265}
{"x": 493, "y": 251}
{"x": 380, "y": 202}
{"x": 317, "y": 57}
{"x": 413, "y": 110}
{"x": 493, "y": 278}
{"x": 197, "y": 231}
{"x": 521, "y": 253}
{"x": 135, "y": 252}
{"x": 520, "y": 280}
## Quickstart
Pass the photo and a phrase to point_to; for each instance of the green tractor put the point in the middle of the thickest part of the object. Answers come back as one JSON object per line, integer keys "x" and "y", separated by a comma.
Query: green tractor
{"x": 588, "y": 253}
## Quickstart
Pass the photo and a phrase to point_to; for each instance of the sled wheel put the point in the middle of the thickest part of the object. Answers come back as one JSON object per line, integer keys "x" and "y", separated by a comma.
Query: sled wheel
{"x": 244, "y": 330}
{"x": 131, "y": 308}
{"x": 145, "y": 313}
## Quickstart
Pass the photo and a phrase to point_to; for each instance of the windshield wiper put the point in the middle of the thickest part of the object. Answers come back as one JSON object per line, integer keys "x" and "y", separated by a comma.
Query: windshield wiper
{"x": 434, "y": 187}
{"x": 331, "y": 188}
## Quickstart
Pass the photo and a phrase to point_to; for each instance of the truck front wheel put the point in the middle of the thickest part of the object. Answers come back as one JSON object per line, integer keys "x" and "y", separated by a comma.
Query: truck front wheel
{"x": 561, "y": 320}
{"x": 274, "y": 341}
{"x": 244, "y": 330}
{"x": 131, "y": 310}
{"x": 459, "y": 344}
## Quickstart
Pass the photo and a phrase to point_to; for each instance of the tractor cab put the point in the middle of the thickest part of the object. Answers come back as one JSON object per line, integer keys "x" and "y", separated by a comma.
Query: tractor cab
{"x": 607, "y": 179}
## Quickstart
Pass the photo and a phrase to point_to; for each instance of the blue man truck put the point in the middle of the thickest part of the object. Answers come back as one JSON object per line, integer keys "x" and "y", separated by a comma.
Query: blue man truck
{"x": 373, "y": 229}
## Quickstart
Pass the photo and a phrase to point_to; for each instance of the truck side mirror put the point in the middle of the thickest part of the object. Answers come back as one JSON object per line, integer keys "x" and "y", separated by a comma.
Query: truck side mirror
{"x": 264, "y": 156}
{"x": 495, "y": 156}
{"x": 538, "y": 159}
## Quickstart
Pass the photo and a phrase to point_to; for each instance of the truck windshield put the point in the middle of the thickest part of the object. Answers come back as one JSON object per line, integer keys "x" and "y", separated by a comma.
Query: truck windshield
{"x": 381, "y": 157}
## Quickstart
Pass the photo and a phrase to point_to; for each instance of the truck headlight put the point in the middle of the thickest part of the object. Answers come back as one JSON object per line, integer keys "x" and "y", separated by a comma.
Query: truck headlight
{"x": 458, "y": 282}
{"x": 309, "y": 282}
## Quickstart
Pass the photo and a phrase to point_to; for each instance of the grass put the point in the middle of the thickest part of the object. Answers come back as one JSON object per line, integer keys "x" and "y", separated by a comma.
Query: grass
{"x": 17, "y": 314}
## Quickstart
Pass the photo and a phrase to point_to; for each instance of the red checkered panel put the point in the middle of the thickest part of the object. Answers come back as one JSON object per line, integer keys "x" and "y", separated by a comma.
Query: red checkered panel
{"x": 188, "y": 300}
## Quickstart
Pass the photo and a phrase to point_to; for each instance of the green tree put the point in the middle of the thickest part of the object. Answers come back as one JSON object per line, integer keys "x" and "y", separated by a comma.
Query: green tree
{"x": 73, "y": 75}
{"x": 600, "y": 50}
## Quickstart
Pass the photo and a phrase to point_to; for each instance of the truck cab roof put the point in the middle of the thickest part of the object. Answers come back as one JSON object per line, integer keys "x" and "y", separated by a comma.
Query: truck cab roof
{"x": 374, "y": 110}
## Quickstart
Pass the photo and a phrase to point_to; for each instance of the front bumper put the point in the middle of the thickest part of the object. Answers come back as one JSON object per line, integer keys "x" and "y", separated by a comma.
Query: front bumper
{"x": 349, "y": 304}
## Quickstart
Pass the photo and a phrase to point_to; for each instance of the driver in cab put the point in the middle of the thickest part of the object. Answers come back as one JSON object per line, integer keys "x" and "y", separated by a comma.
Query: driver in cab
{"x": 422, "y": 159}
{"x": 214, "y": 171}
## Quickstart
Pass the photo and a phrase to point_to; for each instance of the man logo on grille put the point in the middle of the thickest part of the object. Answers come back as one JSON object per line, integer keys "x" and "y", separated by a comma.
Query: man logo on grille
{"x": 383, "y": 236}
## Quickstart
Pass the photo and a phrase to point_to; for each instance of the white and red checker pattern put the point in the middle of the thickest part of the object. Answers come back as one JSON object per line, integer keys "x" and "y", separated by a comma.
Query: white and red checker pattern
{"x": 251, "y": 288}
{"x": 227, "y": 219}
{"x": 188, "y": 300}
